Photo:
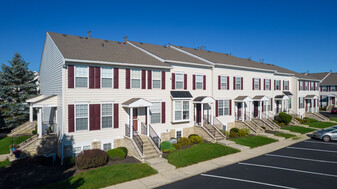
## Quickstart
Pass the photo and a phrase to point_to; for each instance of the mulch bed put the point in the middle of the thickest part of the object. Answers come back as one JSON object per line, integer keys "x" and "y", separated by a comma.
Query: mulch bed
{"x": 33, "y": 172}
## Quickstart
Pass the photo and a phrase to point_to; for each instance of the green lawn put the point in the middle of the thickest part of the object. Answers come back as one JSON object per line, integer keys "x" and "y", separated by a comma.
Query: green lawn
{"x": 198, "y": 153}
{"x": 298, "y": 129}
{"x": 285, "y": 135}
{"x": 320, "y": 124}
{"x": 5, "y": 142}
{"x": 333, "y": 118}
{"x": 253, "y": 141}
{"x": 105, "y": 176}
{"x": 4, "y": 163}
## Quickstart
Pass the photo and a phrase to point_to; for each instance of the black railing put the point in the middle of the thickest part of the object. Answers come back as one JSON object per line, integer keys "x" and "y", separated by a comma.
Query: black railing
{"x": 154, "y": 137}
{"x": 138, "y": 140}
{"x": 209, "y": 127}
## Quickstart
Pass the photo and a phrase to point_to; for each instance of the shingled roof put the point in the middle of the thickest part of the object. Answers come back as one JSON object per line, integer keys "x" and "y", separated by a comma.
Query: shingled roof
{"x": 83, "y": 48}
{"x": 319, "y": 76}
{"x": 330, "y": 80}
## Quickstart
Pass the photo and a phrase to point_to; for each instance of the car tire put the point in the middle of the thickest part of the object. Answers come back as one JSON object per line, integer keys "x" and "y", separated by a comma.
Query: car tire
{"x": 326, "y": 139}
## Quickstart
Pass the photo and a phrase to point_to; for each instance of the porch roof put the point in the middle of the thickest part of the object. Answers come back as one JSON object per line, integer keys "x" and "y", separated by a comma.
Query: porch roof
{"x": 204, "y": 99}
{"x": 311, "y": 97}
{"x": 260, "y": 98}
{"x": 288, "y": 93}
{"x": 281, "y": 97}
{"x": 243, "y": 99}
{"x": 43, "y": 101}
{"x": 181, "y": 94}
{"x": 331, "y": 95}
{"x": 136, "y": 103}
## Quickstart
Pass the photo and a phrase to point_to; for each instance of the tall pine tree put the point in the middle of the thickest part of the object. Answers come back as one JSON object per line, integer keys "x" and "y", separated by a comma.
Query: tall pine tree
{"x": 17, "y": 84}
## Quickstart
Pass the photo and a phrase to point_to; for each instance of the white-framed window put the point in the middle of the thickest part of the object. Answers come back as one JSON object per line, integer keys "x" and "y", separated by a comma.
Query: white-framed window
{"x": 278, "y": 87}
{"x": 289, "y": 103}
{"x": 269, "y": 104}
{"x": 199, "y": 81}
{"x": 306, "y": 86}
{"x": 267, "y": 84}
{"x": 106, "y": 115}
{"x": 286, "y": 85}
{"x": 179, "y": 134}
{"x": 135, "y": 78}
{"x": 333, "y": 88}
{"x": 301, "y": 85}
{"x": 312, "y": 86}
{"x": 223, "y": 82}
{"x": 256, "y": 84}
{"x": 81, "y": 76}
{"x": 81, "y": 117}
{"x": 77, "y": 150}
{"x": 107, "y": 146}
{"x": 223, "y": 108}
{"x": 324, "y": 88}
{"x": 156, "y": 79}
{"x": 107, "y": 75}
{"x": 301, "y": 102}
{"x": 316, "y": 86}
{"x": 181, "y": 110}
{"x": 155, "y": 112}
{"x": 87, "y": 147}
{"x": 179, "y": 81}
{"x": 238, "y": 83}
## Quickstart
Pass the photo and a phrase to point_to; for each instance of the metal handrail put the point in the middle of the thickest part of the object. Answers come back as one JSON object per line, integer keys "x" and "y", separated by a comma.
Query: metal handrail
{"x": 154, "y": 136}
{"x": 139, "y": 142}
{"x": 208, "y": 127}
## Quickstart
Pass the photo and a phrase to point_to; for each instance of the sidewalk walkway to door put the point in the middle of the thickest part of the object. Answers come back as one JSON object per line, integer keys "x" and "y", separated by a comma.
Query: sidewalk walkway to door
{"x": 173, "y": 175}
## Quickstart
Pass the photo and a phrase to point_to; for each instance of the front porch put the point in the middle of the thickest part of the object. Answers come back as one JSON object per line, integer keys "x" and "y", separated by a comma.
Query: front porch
{"x": 281, "y": 104}
{"x": 243, "y": 108}
{"x": 203, "y": 110}
{"x": 311, "y": 103}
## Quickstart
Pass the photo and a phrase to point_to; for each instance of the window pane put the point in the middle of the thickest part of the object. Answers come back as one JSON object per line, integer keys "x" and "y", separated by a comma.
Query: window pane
{"x": 81, "y": 123}
{"x": 107, "y": 146}
{"x": 199, "y": 85}
{"x": 135, "y": 74}
{"x": 106, "y": 72}
{"x": 179, "y": 84}
{"x": 155, "y": 112}
{"x": 178, "y": 135}
{"x": 82, "y": 110}
{"x": 77, "y": 150}
{"x": 107, "y": 122}
{"x": 135, "y": 83}
{"x": 106, "y": 82}
{"x": 81, "y": 82}
{"x": 155, "y": 118}
{"x": 106, "y": 109}
{"x": 178, "y": 105}
{"x": 86, "y": 147}
{"x": 179, "y": 77}
{"x": 186, "y": 105}
{"x": 81, "y": 71}
{"x": 177, "y": 115}
{"x": 226, "y": 104}
{"x": 156, "y": 84}
{"x": 156, "y": 75}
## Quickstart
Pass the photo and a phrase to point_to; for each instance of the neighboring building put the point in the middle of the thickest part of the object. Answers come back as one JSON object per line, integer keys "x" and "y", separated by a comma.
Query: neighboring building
{"x": 328, "y": 88}
{"x": 103, "y": 94}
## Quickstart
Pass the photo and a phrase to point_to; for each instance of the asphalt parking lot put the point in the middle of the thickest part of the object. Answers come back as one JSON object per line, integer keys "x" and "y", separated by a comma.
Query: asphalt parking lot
{"x": 308, "y": 164}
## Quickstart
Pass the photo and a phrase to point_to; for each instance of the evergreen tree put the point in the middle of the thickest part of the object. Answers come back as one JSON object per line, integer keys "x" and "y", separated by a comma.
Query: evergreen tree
{"x": 17, "y": 84}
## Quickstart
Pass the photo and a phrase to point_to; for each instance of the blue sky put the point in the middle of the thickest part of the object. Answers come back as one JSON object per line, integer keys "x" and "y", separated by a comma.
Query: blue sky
{"x": 298, "y": 35}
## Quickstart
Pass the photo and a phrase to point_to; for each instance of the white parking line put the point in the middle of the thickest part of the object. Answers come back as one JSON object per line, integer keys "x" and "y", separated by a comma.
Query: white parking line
{"x": 287, "y": 169}
{"x": 312, "y": 149}
{"x": 298, "y": 158}
{"x": 321, "y": 142}
{"x": 249, "y": 181}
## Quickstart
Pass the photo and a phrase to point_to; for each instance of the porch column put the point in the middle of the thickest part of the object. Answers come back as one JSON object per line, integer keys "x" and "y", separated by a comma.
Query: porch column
{"x": 243, "y": 111}
{"x": 236, "y": 110}
{"x": 131, "y": 123}
{"x": 260, "y": 103}
{"x": 30, "y": 112}
{"x": 39, "y": 123}
{"x": 312, "y": 105}
{"x": 195, "y": 114}
{"x": 148, "y": 121}
{"x": 212, "y": 118}
{"x": 251, "y": 109}
{"x": 202, "y": 115}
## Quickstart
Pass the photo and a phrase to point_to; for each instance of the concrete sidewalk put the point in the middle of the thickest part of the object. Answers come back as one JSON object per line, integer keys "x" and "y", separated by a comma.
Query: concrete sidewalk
{"x": 166, "y": 177}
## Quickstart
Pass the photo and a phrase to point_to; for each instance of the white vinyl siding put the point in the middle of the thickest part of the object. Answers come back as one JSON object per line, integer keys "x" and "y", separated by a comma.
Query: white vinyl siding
{"x": 179, "y": 81}
{"x": 155, "y": 112}
{"x": 107, "y": 75}
{"x": 135, "y": 78}
{"x": 81, "y": 76}
{"x": 107, "y": 116}
{"x": 181, "y": 110}
{"x": 223, "y": 82}
{"x": 198, "y": 81}
{"x": 156, "y": 79}
{"x": 81, "y": 117}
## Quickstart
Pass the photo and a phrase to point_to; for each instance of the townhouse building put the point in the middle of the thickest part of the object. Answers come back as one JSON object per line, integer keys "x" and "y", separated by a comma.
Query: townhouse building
{"x": 104, "y": 94}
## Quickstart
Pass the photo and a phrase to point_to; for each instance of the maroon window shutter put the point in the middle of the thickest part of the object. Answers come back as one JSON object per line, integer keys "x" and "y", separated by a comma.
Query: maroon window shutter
{"x": 253, "y": 84}
{"x": 270, "y": 84}
{"x": 259, "y": 84}
{"x": 219, "y": 82}
{"x": 271, "y": 104}
{"x": 262, "y": 106}
{"x": 173, "y": 81}
{"x": 185, "y": 81}
{"x": 91, "y": 77}
{"x": 70, "y": 76}
{"x": 216, "y": 108}
{"x": 127, "y": 79}
{"x": 227, "y": 82}
{"x": 234, "y": 83}
{"x": 116, "y": 117}
{"x": 274, "y": 84}
{"x": 149, "y": 79}
{"x": 163, "y": 82}
{"x": 299, "y": 85}
{"x": 230, "y": 107}
{"x": 283, "y": 84}
{"x": 163, "y": 112}
{"x": 264, "y": 84}
{"x": 315, "y": 103}
{"x": 95, "y": 115}
{"x": 116, "y": 76}
{"x": 71, "y": 118}
{"x": 193, "y": 82}
{"x": 299, "y": 102}
{"x": 97, "y": 77}
{"x": 143, "y": 79}
{"x": 241, "y": 83}
{"x": 204, "y": 82}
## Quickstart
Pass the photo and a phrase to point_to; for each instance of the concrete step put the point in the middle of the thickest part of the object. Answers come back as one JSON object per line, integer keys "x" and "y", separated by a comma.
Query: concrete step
{"x": 238, "y": 146}
{"x": 160, "y": 164}
{"x": 151, "y": 156}
{"x": 156, "y": 161}
{"x": 225, "y": 142}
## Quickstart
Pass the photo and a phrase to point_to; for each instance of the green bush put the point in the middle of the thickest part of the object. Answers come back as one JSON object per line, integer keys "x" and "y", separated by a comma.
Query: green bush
{"x": 282, "y": 124}
{"x": 248, "y": 130}
{"x": 125, "y": 150}
{"x": 192, "y": 135}
{"x": 116, "y": 154}
{"x": 300, "y": 120}
{"x": 91, "y": 158}
{"x": 196, "y": 139}
{"x": 69, "y": 161}
{"x": 242, "y": 133}
{"x": 177, "y": 146}
{"x": 236, "y": 130}
{"x": 285, "y": 118}
{"x": 233, "y": 134}
{"x": 183, "y": 141}
{"x": 166, "y": 146}
{"x": 34, "y": 132}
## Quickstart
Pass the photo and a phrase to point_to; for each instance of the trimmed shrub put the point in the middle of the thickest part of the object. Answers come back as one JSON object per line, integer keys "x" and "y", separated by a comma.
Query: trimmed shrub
{"x": 248, "y": 130}
{"x": 233, "y": 134}
{"x": 166, "y": 146}
{"x": 91, "y": 158}
{"x": 177, "y": 146}
{"x": 300, "y": 120}
{"x": 196, "y": 139}
{"x": 242, "y": 133}
{"x": 236, "y": 130}
{"x": 116, "y": 154}
{"x": 285, "y": 118}
{"x": 183, "y": 141}
{"x": 192, "y": 135}
{"x": 282, "y": 124}
{"x": 125, "y": 150}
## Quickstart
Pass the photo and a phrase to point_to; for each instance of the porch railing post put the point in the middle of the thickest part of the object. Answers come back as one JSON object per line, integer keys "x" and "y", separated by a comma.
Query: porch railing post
{"x": 202, "y": 114}
{"x": 212, "y": 118}
{"x": 131, "y": 122}
{"x": 148, "y": 121}
{"x": 39, "y": 122}
{"x": 31, "y": 112}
